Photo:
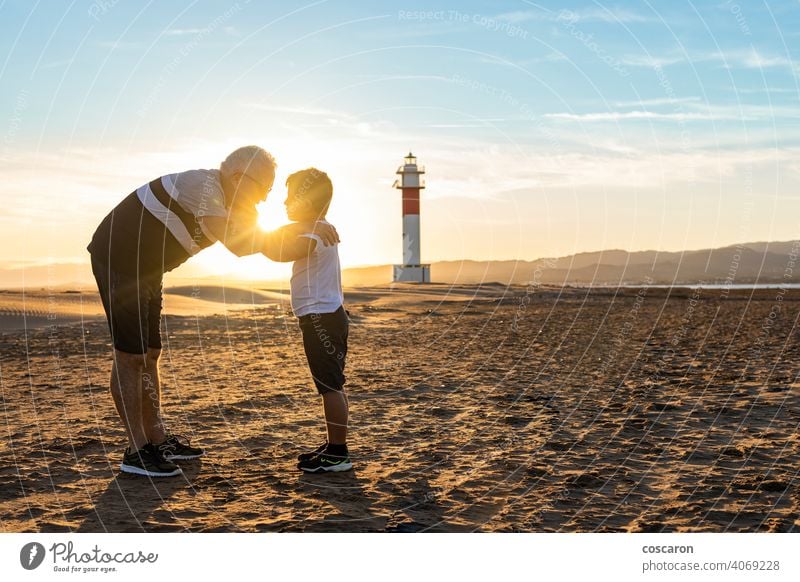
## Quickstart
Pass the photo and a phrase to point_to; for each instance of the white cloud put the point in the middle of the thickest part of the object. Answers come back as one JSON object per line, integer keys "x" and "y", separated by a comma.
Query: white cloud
{"x": 57, "y": 64}
{"x": 612, "y": 15}
{"x": 551, "y": 57}
{"x": 657, "y": 101}
{"x": 477, "y": 122}
{"x": 605, "y": 14}
{"x": 638, "y": 115}
{"x": 298, "y": 110}
{"x": 123, "y": 44}
{"x": 524, "y": 15}
{"x": 762, "y": 90}
{"x": 229, "y": 30}
{"x": 650, "y": 61}
{"x": 755, "y": 60}
{"x": 184, "y": 31}
{"x": 750, "y": 58}
{"x": 684, "y": 109}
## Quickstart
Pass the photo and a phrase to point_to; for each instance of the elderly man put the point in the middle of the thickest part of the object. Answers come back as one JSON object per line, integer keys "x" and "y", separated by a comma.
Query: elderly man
{"x": 152, "y": 231}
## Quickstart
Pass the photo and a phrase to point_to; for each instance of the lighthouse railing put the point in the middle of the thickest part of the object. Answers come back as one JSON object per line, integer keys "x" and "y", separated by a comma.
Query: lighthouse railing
{"x": 402, "y": 170}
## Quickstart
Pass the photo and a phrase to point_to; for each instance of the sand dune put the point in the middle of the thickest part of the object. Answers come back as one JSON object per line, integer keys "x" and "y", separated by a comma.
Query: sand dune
{"x": 229, "y": 295}
{"x": 473, "y": 409}
{"x": 42, "y": 308}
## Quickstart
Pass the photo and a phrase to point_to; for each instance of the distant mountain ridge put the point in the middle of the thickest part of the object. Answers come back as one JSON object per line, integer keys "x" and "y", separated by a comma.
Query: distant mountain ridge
{"x": 746, "y": 263}
{"x": 758, "y": 262}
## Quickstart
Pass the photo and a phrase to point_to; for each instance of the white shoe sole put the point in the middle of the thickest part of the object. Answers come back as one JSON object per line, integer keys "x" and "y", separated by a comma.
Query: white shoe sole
{"x": 184, "y": 457}
{"x": 332, "y": 468}
{"x": 139, "y": 471}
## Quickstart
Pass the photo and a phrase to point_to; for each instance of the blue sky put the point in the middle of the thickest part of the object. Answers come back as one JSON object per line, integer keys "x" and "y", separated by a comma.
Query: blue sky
{"x": 547, "y": 128}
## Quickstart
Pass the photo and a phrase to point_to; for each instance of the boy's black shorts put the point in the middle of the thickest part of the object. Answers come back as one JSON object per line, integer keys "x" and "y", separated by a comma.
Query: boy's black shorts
{"x": 133, "y": 307}
{"x": 325, "y": 343}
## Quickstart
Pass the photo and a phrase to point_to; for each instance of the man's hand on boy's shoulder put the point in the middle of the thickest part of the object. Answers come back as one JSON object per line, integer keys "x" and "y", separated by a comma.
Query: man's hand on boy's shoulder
{"x": 324, "y": 230}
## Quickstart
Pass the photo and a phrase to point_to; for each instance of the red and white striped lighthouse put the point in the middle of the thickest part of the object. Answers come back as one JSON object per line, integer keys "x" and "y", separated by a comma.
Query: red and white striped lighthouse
{"x": 411, "y": 182}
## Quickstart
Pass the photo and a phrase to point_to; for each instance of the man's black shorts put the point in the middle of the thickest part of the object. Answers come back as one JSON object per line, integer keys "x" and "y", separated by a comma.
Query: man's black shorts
{"x": 133, "y": 307}
{"x": 325, "y": 343}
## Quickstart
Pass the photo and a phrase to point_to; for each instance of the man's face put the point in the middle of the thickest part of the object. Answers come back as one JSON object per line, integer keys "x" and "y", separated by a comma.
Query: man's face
{"x": 251, "y": 190}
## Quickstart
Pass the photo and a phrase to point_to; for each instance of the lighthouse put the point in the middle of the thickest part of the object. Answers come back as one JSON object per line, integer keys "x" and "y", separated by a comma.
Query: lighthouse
{"x": 410, "y": 183}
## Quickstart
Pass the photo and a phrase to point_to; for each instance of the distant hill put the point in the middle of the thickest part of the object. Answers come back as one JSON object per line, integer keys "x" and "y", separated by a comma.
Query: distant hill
{"x": 60, "y": 275}
{"x": 755, "y": 262}
{"x": 758, "y": 262}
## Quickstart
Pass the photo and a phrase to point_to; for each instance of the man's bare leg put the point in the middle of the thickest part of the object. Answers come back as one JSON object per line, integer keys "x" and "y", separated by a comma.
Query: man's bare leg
{"x": 151, "y": 399}
{"x": 126, "y": 390}
{"x": 337, "y": 411}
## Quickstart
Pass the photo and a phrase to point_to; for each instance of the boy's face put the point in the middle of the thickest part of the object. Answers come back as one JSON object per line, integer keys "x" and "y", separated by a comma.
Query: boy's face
{"x": 298, "y": 209}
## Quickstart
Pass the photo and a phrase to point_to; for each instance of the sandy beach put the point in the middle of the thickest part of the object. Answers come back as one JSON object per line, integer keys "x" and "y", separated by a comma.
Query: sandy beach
{"x": 474, "y": 408}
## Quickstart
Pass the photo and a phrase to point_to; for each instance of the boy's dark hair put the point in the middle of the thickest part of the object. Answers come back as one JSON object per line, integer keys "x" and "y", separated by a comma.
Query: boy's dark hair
{"x": 313, "y": 185}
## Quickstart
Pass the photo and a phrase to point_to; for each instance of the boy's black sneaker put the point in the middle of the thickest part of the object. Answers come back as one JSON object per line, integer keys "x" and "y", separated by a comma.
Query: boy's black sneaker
{"x": 177, "y": 448}
{"x": 307, "y": 456}
{"x": 148, "y": 461}
{"x": 325, "y": 462}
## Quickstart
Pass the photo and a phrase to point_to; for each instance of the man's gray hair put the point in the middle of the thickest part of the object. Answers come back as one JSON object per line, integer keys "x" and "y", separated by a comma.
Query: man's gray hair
{"x": 251, "y": 160}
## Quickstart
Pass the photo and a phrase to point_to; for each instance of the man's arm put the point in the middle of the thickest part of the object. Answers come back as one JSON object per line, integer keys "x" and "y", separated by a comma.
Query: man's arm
{"x": 297, "y": 240}
{"x": 244, "y": 237}
{"x": 284, "y": 246}
{"x": 241, "y": 237}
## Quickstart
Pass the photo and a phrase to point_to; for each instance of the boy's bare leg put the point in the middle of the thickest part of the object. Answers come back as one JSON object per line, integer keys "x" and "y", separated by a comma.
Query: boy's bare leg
{"x": 126, "y": 389}
{"x": 336, "y": 415}
{"x": 151, "y": 399}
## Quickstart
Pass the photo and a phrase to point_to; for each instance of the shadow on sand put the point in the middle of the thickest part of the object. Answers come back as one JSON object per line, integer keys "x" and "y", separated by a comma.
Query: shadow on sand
{"x": 416, "y": 510}
{"x": 345, "y": 492}
{"x": 419, "y": 510}
{"x": 134, "y": 504}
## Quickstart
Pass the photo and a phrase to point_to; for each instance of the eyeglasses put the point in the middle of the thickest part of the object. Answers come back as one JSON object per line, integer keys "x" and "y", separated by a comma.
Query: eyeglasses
{"x": 261, "y": 186}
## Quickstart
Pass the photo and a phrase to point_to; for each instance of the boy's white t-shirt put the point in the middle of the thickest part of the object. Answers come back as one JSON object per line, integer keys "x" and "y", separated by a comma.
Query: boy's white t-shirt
{"x": 316, "y": 283}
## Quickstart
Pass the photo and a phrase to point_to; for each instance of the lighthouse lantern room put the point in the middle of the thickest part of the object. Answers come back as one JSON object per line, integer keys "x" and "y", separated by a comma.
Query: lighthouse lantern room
{"x": 410, "y": 183}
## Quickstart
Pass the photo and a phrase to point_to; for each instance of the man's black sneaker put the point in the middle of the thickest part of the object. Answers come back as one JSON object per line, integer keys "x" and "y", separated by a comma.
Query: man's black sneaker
{"x": 177, "y": 448}
{"x": 307, "y": 456}
{"x": 324, "y": 462}
{"x": 148, "y": 461}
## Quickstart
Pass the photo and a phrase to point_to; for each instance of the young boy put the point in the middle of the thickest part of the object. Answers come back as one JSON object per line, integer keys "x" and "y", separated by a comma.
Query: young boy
{"x": 317, "y": 302}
